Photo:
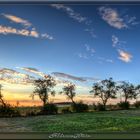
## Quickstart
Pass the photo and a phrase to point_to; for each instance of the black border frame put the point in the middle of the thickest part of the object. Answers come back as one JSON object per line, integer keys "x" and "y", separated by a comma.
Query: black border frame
{"x": 55, "y": 135}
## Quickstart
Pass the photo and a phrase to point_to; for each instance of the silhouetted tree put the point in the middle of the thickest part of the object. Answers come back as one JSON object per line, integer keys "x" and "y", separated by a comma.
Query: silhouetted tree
{"x": 1, "y": 97}
{"x": 105, "y": 90}
{"x": 69, "y": 91}
{"x": 137, "y": 92}
{"x": 17, "y": 103}
{"x": 43, "y": 87}
{"x": 128, "y": 90}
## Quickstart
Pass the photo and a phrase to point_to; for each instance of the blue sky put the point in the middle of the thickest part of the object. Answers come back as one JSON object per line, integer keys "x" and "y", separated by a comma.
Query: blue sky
{"x": 93, "y": 41}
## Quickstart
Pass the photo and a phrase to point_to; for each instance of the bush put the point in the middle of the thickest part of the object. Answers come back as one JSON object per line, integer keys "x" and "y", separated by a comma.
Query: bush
{"x": 112, "y": 107}
{"x": 49, "y": 109}
{"x": 66, "y": 110}
{"x": 80, "y": 107}
{"x": 94, "y": 107}
{"x": 137, "y": 104}
{"x": 100, "y": 107}
{"x": 31, "y": 113}
{"x": 8, "y": 111}
{"x": 124, "y": 105}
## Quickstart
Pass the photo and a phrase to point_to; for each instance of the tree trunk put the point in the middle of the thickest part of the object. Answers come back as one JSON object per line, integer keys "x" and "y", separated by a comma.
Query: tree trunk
{"x": 3, "y": 103}
{"x": 104, "y": 104}
{"x": 73, "y": 101}
{"x": 44, "y": 103}
{"x": 125, "y": 99}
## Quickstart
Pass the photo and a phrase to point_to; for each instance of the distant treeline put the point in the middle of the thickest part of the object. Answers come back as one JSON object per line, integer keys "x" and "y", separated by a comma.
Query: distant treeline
{"x": 104, "y": 90}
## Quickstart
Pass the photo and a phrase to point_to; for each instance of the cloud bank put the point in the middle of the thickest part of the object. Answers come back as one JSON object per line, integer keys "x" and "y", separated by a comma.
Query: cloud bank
{"x": 114, "y": 18}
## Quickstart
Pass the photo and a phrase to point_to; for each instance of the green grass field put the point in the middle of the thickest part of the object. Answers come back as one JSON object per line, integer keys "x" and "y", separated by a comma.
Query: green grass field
{"x": 108, "y": 121}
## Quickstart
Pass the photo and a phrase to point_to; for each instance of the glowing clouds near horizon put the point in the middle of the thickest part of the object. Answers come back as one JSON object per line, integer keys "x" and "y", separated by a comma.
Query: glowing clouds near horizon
{"x": 12, "y": 76}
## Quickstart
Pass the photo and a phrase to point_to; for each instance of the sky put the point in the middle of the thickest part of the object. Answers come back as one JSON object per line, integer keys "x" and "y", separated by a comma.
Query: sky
{"x": 77, "y": 43}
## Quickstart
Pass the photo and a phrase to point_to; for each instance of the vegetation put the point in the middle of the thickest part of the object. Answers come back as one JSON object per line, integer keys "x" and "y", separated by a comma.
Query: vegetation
{"x": 137, "y": 92}
{"x": 66, "y": 110}
{"x": 102, "y": 121}
{"x": 43, "y": 87}
{"x": 105, "y": 90}
{"x": 80, "y": 107}
{"x": 128, "y": 91}
{"x": 8, "y": 111}
{"x": 99, "y": 107}
{"x": 124, "y": 105}
{"x": 48, "y": 109}
{"x": 137, "y": 104}
{"x": 69, "y": 91}
{"x": 2, "y": 102}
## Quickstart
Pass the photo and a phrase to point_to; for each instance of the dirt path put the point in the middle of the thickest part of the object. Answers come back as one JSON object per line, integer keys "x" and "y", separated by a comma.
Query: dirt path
{"x": 10, "y": 125}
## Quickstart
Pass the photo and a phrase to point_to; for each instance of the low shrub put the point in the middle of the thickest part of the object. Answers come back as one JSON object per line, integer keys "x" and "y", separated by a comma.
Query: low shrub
{"x": 31, "y": 113}
{"x": 49, "y": 109}
{"x": 80, "y": 107}
{"x": 137, "y": 104}
{"x": 112, "y": 107}
{"x": 8, "y": 111}
{"x": 100, "y": 107}
{"x": 94, "y": 107}
{"x": 124, "y": 105}
{"x": 66, "y": 110}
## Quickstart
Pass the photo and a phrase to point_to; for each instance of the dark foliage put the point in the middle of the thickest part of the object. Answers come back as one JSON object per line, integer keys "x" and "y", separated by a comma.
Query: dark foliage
{"x": 43, "y": 88}
{"x": 105, "y": 90}
{"x": 112, "y": 107}
{"x": 80, "y": 107}
{"x": 66, "y": 110}
{"x": 49, "y": 109}
{"x": 8, "y": 111}
{"x": 94, "y": 107}
{"x": 100, "y": 107}
{"x": 31, "y": 113}
{"x": 137, "y": 104}
{"x": 124, "y": 105}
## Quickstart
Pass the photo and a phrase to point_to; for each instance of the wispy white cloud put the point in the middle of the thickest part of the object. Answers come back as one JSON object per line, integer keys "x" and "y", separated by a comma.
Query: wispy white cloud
{"x": 73, "y": 78}
{"x": 68, "y": 76}
{"x": 109, "y": 60}
{"x": 131, "y": 20}
{"x": 47, "y": 36}
{"x": 15, "y": 77}
{"x": 89, "y": 49}
{"x": 71, "y": 13}
{"x": 23, "y": 32}
{"x": 116, "y": 42}
{"x": 114, "y": 19}
{"x": 32, "y": 70}
{"x": 16, "y": 19}
{"x": 26, "y": 31}
{"x": 91, "y": 32}
{"x": 82, "y": 55}
{"x": 77, "y": 17}
{"x": 87, "y": 53}
{"x": 124, "y": 56}
{"x": 5, "y": 30}
{"x": 102, "y": 59}
{"x": 119, "y": 46}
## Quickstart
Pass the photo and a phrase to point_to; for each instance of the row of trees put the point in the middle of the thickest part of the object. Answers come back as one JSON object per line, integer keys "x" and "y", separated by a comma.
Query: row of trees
{"x": 105, "y": 90}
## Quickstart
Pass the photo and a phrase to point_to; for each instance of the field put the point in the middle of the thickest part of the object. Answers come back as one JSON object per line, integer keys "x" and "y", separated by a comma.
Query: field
{"x": 106, "y": 121}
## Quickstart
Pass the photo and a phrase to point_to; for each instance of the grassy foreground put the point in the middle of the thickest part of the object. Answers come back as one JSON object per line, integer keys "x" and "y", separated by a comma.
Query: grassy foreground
{"x": 108, "y": 121}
